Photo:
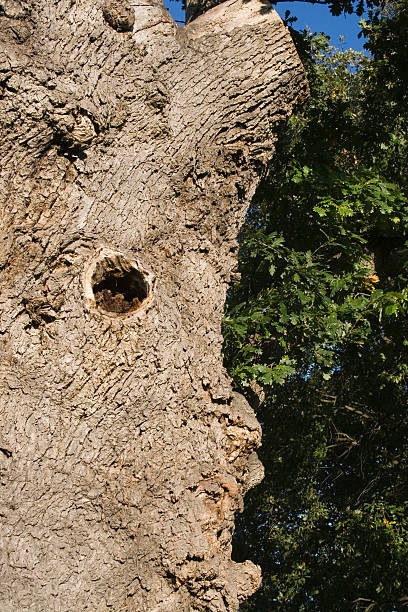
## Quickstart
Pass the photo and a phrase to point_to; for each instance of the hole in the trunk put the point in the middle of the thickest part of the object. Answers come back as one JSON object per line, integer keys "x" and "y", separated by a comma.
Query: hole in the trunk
{"x": 118, "y": 285}
{"x": 120, "y": 293}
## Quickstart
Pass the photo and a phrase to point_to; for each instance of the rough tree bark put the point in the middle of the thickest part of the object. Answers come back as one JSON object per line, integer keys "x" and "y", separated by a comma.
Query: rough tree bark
{"x": 130, "y": 149}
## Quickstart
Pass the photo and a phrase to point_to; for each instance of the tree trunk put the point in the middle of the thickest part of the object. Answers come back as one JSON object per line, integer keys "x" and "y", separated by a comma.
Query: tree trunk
{"x": 130, "y": 150}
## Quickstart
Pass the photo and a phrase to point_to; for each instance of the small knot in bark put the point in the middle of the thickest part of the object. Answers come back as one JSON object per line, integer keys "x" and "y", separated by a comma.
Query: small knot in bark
{"x": 119, "y": 15}
{"x": 83, "y": 131}
{"x": 14, "y": 9}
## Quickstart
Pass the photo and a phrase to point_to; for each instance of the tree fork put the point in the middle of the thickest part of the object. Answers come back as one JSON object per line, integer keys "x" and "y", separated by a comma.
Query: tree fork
{"x": 130, "y": 150}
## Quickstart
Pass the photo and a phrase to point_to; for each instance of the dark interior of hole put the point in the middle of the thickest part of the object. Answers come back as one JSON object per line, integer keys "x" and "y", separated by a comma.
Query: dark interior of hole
{"x": 120, "y": 291}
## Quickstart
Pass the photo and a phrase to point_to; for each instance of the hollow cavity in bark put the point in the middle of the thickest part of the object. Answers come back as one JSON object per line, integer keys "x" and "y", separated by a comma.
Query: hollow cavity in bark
{"x": 116, "y": 284}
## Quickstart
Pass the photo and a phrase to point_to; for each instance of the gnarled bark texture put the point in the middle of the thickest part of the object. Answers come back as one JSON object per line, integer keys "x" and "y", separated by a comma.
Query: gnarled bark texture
{"x": 130, "y": 148}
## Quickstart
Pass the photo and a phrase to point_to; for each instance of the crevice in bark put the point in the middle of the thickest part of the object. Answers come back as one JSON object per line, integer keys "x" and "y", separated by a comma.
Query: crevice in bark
{"x": 67, "y": 149}
{"x": 39, "y": 310}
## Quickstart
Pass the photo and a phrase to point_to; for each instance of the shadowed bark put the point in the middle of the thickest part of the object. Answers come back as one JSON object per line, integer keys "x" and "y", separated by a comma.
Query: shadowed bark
{"x": 130, "y": 150}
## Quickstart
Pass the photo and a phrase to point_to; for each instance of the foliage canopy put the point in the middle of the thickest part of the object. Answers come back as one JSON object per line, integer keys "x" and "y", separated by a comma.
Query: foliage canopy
{"x": 316, "y": 333}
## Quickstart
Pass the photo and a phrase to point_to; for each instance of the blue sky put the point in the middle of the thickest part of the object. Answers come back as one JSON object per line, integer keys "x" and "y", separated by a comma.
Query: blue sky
{"x": 316, "y": 16}
{"x": 319, "y": 19}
